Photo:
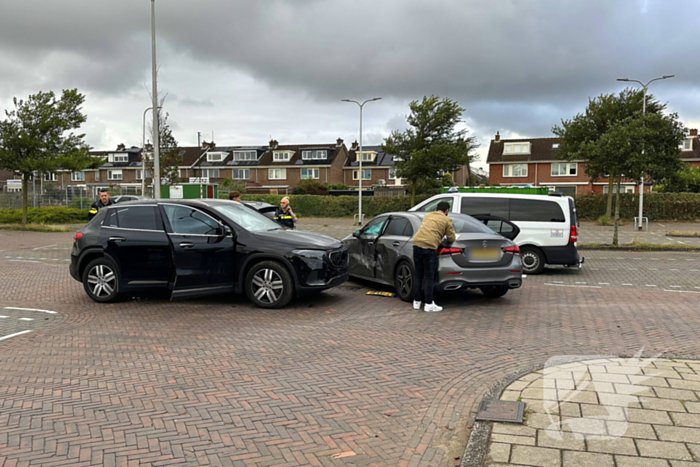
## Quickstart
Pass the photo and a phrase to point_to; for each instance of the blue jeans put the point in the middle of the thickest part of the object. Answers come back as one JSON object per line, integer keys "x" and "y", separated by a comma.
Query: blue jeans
{"x": 425, "y": 262}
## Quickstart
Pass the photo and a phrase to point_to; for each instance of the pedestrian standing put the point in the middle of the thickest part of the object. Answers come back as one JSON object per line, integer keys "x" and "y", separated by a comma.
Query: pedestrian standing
{"x": 435, "y": 226}
{"x": 104, "y": 201}
{"x": 284, "y": 214}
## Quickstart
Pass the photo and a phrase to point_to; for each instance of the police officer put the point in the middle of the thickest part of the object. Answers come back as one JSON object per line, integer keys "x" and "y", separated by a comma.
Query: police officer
{"x": 284, "y": 214}
{"x": 104, "y": 201}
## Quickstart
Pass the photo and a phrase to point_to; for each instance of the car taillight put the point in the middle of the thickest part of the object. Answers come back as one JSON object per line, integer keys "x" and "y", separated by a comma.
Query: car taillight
{"x": 77, "y": 237}
{"x": 573, "y": 235}
{"x": 449, "y": 251}
{"x": 514, "y": 250}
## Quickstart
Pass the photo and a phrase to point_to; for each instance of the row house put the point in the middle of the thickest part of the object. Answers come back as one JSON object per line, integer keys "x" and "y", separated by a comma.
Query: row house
{"x": 535, "y": 161}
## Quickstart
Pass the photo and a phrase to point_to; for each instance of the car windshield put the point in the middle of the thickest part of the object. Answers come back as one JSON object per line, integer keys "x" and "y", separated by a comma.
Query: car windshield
{"x": 246, "y": 218}
{"x": 467, "y": 224}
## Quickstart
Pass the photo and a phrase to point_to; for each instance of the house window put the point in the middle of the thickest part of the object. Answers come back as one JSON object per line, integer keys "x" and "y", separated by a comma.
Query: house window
{"x": 97, "y": 175}
{"x": 121, "y": 158}
{"x": 392, "y": 174}
{"x": 215, "y": 156}
{"x": 515, "y": 170}
{"x": 688, "y": 144}
{"x": 313, "y": 155}
{"x": 563, "y": 169}
{"x": 245, "y": 156}
{"x": 114, "y": 174}
{"x": 210, "y": 173}
{"x": 320, "y": 155}
{"x": 367, "y": 156}
{"x": 366, "y": 174}
{"x": 310, "y": 173}
{"x": 139, "y": 172}
{"x": 307, "y": 155}
{"x": 241, "y": 174}
{"x": 516, "y": 148}
{"x": 183, "y": 173}
{"x": 50, "y": 177}
{"x": 77, "y": 176}
{"x": 624, "y": 189}
{"x": 281, "y": 156}
{"x": 555, "y": 146}
{"x": 277, "y": 174}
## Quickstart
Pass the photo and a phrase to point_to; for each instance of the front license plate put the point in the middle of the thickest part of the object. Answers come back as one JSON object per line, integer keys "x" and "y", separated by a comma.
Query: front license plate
{"x": 485, "y": 254}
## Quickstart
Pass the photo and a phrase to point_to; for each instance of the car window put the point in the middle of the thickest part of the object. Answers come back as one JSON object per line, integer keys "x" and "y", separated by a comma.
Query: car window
{"x": 408, "y": 231}
{"x": 465, "y": 224}
{"x": 397, "y": 227}
{"x": 432, "y": 206}
{"x": 374, "y": 226}
{"x": 499, "y": 226}
{"x": 188, "y": 221}
{"x": 473, "y": 205}
{"x": 530, "y": 210}
{"x": 134, "y": 217}
{"x": 246, "y": 217}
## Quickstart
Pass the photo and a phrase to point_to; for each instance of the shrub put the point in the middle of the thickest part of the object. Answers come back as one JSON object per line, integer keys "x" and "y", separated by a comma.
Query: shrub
{"x": 311, "y": 187}
{"x": 48, "y": 215}
{"x": 80, "y": 203}
{"x": 230, "y": 184}
{"x": 657, "y": 206}
{"x": 339, "y": 186}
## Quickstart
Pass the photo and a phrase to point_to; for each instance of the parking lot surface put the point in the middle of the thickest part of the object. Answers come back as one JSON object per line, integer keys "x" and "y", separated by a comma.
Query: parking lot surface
{"x": 342, "y": 378}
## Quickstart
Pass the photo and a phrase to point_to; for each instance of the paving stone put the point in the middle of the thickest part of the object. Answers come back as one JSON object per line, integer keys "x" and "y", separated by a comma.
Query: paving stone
{"x": 659, "y": 373}
{"x": 511, "y": 396}
{"x": 530, "y": 377}
{"x": 517, "y": 386}
{"x": 655, "y": 417}
{"x": 569, "y": 409}
{"x": 538, "y": 406}
{"x": 679, "y": 394}
{"x": 513, "y": 429}
{"x": 627, "y": 461}
{"x": 684, "y": 464}
{"x": 510, "y": 439}
{"x": 686, "y": 419}
{"x": 685, "y": 384}
{"x": 542, "y": 421}
{"x": 691, "y": 377}
{"x": 541, "y": 457}
{"x": 605, "y": 412}
{"x": 610, "y": 378}
{"x": 620, "y": 400}
{"x": 612, "y": 446}
{"x": 499, "y": 452}
{"x": 587, "y": 459}
{"x": 651, "y": 381}
{"x": 669, "y": 405}
{"x": 581, "y": 397}
{"x": 584, "y": 427}
{"x": 692, "y": 407}
{"x": 664, "y": 450}
{"x": 677, "y": 434}
{"x": 560, "y": 440}
{"x": 630, "y": 430}
{"x": 634, "y": 390}
{"x": 694, "y": 450}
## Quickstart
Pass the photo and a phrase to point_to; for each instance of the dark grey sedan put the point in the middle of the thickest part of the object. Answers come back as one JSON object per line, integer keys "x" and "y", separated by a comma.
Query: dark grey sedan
{"x": 382, "y": 251}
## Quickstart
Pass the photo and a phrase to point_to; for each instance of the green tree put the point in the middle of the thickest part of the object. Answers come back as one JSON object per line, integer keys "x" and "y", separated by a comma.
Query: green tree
{"x": 37, "y": 136}
{"x": 431, "y": 144}
{"x": 685, "y": 181}
{"x": 169, "y": 155}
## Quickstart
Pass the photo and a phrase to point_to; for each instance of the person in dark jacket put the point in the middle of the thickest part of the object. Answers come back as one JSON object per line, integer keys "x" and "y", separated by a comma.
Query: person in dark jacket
{"x": 284, "y": 214}
{"x": 104, "y": 201}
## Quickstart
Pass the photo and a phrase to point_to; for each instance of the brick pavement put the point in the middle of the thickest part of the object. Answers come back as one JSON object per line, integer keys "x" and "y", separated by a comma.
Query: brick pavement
{"x": 338, "y": 379}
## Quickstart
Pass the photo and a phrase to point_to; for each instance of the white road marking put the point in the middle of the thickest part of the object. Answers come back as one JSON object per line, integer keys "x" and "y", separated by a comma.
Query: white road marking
{"x": 30, "y": 309}
{"x": 558, "y": 282}
{"x": 524, "y": 276}
{"x": 675, "y": 286}
{"x": 41, "y": 247}
{"x": 581, "y": 282}
{"x": 627, "y": 284}
{"x": 651, "y": 285}
{"x": 22, "y": 261}
{"x": 15, "y": 334}
{"x": 603, "y": 283}
{"x": 681, "y": 291}
{"x": 576, "y": 286}
{"x": 662, "y": 225}
{"x": 55, "y": 259}
{"x": 1, "y": 316}
{"x": 26, "y": 319}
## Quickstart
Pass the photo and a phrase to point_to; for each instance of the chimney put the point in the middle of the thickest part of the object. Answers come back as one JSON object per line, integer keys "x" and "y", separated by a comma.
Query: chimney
{"x": 273, "y": 144}
{"x": 498, "y": 137}
{"x": 355, "y": 146}
{"x": 206, "y": 145}
{"x": 121, "y": 147}
{"x": 339, "y": 142}
{"x": 694, "y": 132}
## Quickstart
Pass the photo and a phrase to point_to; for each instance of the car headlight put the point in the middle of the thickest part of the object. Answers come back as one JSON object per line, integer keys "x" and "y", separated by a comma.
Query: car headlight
{"x": 310, "y": 254}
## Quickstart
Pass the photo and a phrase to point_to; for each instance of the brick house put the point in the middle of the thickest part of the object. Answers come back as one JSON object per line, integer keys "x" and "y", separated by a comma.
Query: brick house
{"x": 534, "y": 161}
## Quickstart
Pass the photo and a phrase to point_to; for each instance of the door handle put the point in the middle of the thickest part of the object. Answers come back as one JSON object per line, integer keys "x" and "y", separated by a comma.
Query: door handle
{"x": 116, "y": 239}
{"x": 396, "y": 244}
{"x": 370, "y": 243}
{"x": 186, "y": 245}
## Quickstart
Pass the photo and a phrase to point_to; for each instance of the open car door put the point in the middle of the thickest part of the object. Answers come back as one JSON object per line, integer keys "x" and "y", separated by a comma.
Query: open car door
{"x": 499, "y": 225}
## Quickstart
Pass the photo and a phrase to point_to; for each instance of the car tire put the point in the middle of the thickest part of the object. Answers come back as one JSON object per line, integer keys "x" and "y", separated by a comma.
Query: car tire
{"x": 101, "y": 280}
{"x": 495, "y": 291}
{"x": 269, "y": 284}
{"x": 533, "y": 260}
{"x": 404, "y": 281}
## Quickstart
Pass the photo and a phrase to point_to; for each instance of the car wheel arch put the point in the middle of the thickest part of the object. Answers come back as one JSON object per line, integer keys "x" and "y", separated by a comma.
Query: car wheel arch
{"x": 535, "y": 246}
{"x": 87, "y": 256}
{"x": 258, "y": 258}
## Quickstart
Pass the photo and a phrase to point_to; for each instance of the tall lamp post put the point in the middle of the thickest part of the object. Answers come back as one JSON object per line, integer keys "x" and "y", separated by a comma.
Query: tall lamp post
{"x": 143, "y": 150}
{"x": 360, "y": 157}
{"x": 644, "y": 112}
{"x": 156, "y": 128}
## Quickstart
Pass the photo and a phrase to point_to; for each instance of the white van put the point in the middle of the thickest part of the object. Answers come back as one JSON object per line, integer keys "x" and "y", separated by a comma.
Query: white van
{"x": 548, "y": 223}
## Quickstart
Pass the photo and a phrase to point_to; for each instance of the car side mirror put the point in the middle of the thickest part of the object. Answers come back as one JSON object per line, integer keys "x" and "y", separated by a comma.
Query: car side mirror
{"x": 357, "y": 234}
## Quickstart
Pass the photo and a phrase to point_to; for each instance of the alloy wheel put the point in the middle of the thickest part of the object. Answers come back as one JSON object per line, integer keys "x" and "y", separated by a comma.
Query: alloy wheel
{"x": 102, "y": 280}
{"x": 267, "y": 285}
{"x": 405, "y": 280}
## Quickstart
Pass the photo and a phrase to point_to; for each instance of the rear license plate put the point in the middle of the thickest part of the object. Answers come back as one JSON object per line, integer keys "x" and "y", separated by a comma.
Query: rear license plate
{"x": 484, "y": 254}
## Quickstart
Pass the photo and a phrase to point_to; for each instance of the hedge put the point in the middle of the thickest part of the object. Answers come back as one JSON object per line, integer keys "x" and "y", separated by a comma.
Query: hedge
{"x": 657, "y": 206}
{"x": 339, "y": 206}
{"x": 47, "y": 215}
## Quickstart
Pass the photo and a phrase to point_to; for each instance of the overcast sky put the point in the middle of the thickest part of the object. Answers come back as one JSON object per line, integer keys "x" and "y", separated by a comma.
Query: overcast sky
{"x": 250, "y": 69}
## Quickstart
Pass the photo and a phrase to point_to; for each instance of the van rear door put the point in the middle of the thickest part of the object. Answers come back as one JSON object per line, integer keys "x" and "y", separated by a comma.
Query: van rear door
{"x": 542, "y": 221}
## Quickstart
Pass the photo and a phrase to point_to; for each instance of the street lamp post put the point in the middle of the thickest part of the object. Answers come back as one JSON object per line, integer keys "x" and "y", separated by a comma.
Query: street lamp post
{"x": 143, "y": 150}
{"x": 156, "y": 128}
{"x": 360, "y": 157}
{"x": 644, "y": 112}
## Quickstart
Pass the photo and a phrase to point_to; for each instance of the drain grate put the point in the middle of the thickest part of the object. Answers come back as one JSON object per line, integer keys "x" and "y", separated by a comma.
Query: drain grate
{"x": 501, "y": 411}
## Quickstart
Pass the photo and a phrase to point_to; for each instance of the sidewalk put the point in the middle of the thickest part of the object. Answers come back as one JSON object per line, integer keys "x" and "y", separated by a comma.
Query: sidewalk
{"x": 604, "y": 412}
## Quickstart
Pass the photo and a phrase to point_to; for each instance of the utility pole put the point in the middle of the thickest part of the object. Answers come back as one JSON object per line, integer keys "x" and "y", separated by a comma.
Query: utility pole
{"x": 156, "y": 126}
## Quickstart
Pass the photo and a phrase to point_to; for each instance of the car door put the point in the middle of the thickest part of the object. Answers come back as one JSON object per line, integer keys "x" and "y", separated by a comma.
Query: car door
{"x": 362, "y": 249}
{"x": 499, "y": 225}
{"x": 134, "y": 237}
{"x": 541, "y": 221}
{"x": 389, "y": 245}
{"x": 203, "y": 251}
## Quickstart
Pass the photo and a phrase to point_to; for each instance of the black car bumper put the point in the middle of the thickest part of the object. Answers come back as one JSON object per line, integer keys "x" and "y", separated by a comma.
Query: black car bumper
{"x": 74, "y": 268}
{"x": 333, "y": 282}
{"x": 315, "y": 274}
{"x": 566, "y": 255}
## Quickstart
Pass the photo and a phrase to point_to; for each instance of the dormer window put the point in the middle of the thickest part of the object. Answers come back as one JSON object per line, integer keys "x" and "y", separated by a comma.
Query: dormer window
{"x": 281, "y": 156}
{"x": 120, "y": 158}
{"x": 397, "y": 159}
{"x": 516, "y": 148}
{"x": 245, "y": 156}
{"x": 368, "y": 156}
{"x": 215, "y": 156}
{"x": 313, "y": 155}
{"x": 688, "y": 144}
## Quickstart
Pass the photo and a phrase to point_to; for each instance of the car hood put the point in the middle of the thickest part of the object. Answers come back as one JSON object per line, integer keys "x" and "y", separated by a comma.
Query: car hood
{"x": 298, "y": 238}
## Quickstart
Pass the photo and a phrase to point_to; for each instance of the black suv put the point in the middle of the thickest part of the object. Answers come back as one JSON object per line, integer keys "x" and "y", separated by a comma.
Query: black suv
{"x": 201, "y": 247}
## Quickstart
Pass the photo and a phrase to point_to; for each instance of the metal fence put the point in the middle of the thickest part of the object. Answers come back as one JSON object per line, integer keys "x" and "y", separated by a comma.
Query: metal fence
{"x": 80, "y": 197}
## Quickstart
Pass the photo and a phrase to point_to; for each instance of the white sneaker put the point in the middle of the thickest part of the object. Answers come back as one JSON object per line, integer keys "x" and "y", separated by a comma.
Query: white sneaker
{"x": 416, "y": 305}
{"x": 432, "y": 308}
